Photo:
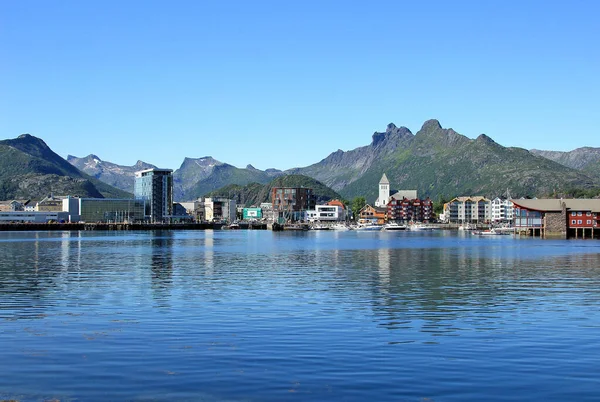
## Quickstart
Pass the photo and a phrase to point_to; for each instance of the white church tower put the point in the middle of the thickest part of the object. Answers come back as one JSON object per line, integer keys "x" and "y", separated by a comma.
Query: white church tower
{"x": 384, "y": 192}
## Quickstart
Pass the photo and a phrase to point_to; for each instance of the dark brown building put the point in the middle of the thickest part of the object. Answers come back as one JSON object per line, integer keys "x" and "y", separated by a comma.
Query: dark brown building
{"x": 290, "y": 203}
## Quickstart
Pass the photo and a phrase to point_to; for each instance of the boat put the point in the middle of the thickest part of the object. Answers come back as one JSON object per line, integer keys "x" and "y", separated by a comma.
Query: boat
{"x": 394, "y": 226}
{"x": 341, "y": 226}
{"x": 490, "y": 232}
{"x": 319, "y": 226}
{"x": 419, "y": 227}
{"x": 232, "y": 226}
{"x": 368, "y": 227}
{"x": 467, "y": 226}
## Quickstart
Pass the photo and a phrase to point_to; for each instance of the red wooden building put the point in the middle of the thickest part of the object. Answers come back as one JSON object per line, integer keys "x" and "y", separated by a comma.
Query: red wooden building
{"x": 553, "y": 217}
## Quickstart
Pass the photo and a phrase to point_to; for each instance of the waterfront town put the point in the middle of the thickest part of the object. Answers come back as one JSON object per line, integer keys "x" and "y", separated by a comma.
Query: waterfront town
{"x": 153, "y": 204}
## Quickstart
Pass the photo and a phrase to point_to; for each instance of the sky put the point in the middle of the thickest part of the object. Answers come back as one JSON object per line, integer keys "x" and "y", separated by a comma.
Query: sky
{"x": 282, "y": 84}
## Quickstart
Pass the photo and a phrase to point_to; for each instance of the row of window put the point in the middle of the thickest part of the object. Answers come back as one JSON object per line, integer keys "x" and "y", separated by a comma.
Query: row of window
{"x": 579, "y": 222}
{"x": 581, "y": 214}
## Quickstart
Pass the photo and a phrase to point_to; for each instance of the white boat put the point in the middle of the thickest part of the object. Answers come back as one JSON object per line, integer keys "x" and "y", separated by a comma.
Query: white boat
{"x": 467, "y": 226}
{"x": 490, "y": 232}
{"x": 419, "y": 227}
{"x": 341, "y": 226}
{"x": 317, "y": 226}
{"x": 394, "y": 226}
{"x": 368, "y": 227}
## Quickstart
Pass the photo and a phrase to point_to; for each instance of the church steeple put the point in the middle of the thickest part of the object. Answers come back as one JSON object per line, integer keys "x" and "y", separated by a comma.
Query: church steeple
{"x": 384, "y": 192}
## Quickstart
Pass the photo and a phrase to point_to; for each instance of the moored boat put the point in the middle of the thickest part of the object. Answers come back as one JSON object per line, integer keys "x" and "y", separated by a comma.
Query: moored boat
{"x": 318, "y": 226}
{"x": 368, "y": 227}
{"x": 467, "y": 226}
{"x": 394, "y": 226}
{"x": 490, "y": 232}
{"x": 341, "y": 226}
{"x": 419, "y": 227}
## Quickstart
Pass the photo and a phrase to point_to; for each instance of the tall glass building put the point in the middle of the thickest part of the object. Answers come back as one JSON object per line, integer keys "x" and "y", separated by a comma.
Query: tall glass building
{"x": 155, "y": 186}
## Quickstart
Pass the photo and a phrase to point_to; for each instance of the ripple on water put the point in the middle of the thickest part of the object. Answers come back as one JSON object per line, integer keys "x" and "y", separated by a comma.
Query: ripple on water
{"x": 256, "y": 315}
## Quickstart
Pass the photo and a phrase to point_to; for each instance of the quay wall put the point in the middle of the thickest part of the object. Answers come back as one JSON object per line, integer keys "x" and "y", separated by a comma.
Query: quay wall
{"x": 108, "y": 226}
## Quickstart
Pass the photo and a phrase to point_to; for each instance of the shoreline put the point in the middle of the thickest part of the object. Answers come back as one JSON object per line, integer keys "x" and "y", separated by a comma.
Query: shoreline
{"x": 6, "y": 227}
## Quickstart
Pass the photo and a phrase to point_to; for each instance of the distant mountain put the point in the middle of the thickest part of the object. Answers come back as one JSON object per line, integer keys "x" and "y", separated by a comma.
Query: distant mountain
{"x": 586, "y": 159}
{"x": 222, "y": 175}
{"x": 435, "y": 161}
{"x": 340, "y": 169}
{"x": 255, "y": 193}
{"x": 194, "y": 178}
{"x": 118, "y": 176}
{"x": 30, "y": 169}
{"x": 442, "y": 162}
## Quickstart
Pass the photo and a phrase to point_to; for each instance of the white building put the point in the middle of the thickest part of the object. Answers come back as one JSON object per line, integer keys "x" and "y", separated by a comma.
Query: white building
{"x": 34, "y": 216}
{"x": 218, "y": 208}
{"x": 502, "y": 210}
{"x": 267, "y": 211}
{"x": 469, "y": 210}
{"x": 331, "y": 213}
{"x": 384, "y": 193}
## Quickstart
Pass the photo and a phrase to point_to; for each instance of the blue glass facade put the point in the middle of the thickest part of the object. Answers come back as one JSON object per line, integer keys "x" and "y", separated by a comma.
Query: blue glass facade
{"x": 155, "y": 187}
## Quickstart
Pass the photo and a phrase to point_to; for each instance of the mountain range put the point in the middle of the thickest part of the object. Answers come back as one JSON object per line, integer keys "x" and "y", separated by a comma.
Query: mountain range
{"x": 29, "y": 169}
{"x": 440, "y": 162}
{"x": 436, "y": 161}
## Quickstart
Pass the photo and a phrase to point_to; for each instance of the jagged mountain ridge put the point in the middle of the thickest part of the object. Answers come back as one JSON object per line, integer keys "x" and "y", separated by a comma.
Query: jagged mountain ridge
{"x": 584, "y": 158}
{"x": 340, "y": 168}
{"x": 435, "y": 161}
{"x": 30, "y": 169}
{"x": 194, "y": 178}
{"x": 442, "y": 162}
{"x": 191, "y": 171}
{"x": 118, "y": 176}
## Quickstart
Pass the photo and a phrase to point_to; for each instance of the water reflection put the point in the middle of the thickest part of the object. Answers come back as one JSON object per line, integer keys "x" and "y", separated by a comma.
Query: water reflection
{"x": 234, "y": 313}
{"x": 161, "y": 266}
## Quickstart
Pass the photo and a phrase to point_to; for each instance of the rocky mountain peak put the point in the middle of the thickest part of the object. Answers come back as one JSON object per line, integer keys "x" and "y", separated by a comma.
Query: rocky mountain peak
{"x": 391, "y": 133}
{"x": 431, "y": 124}
{"x": 485, "y": 139}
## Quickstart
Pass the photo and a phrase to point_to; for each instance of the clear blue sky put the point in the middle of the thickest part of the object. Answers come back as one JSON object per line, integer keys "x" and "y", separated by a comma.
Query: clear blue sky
{"x": 282, "y": 84}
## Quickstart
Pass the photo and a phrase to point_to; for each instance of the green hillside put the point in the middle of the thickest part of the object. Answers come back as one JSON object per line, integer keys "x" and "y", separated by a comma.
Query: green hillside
{"x": 30, "y": 169}
{"x": 256, "y": 193}
{"x": 224, "y": 175}
{"x": 441, "y": 162}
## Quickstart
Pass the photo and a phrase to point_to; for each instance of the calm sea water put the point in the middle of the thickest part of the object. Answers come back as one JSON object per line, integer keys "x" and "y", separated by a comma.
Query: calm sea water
{"x": 294, "y": 316}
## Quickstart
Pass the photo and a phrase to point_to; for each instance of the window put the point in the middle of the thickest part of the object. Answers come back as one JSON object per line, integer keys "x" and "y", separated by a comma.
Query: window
{"x": 588, "y": 214}
{"x": 589, "y": 221}
{"x": 579, "y": 221}
{"x": 573, "y": 222}
{"x": 573, "y": 213}
{"x": 579, "y": 213}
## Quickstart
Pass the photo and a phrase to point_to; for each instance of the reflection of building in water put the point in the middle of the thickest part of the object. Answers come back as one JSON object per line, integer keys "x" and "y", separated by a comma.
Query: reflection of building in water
{"x": 384, "y": 266}
{"x": 161, "y": 265}
{"x": 209, "y": 254}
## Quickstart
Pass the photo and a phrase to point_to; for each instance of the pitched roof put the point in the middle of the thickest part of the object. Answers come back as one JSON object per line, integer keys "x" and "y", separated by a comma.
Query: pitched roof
{"x": 550, "y": 204}
{"x": 410, "y": 194}
{"x": 464, "y": 199}
{"x": 384, "y": 180}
